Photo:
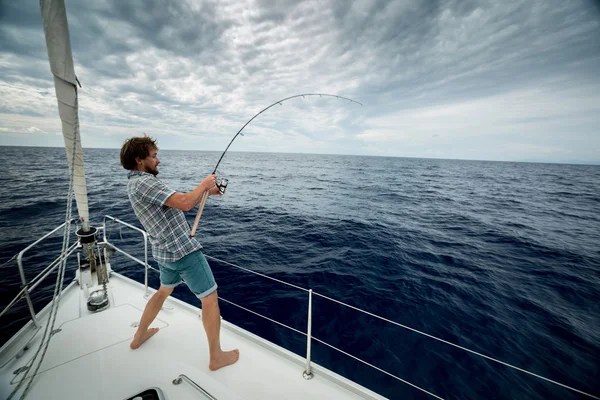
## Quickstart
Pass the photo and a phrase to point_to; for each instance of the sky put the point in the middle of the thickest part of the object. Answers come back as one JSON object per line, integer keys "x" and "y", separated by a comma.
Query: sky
{"x": 514, "y": 80}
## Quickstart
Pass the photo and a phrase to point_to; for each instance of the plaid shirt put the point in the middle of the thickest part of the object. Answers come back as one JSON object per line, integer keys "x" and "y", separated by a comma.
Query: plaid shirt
{"x": 167, "y": 228}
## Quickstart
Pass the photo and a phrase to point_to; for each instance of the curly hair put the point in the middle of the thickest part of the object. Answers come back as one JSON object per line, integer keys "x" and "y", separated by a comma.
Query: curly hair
{"x": 136, "y": 147}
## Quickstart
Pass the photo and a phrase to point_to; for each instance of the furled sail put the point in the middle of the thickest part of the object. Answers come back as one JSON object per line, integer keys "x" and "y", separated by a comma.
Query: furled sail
{"x": 56, "y": 29}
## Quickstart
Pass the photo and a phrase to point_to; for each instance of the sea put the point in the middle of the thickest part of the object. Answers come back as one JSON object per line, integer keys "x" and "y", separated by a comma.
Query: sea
{"x": 502, "y": 258}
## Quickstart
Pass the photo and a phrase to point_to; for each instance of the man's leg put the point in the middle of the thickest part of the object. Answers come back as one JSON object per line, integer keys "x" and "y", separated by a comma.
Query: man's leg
{"x": 150, "y": 312}
{"x": 211, "y": 318}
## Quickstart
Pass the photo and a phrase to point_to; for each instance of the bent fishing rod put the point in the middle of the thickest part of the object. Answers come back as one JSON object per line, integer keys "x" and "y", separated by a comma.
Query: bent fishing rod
{"x": 222, "y": 184}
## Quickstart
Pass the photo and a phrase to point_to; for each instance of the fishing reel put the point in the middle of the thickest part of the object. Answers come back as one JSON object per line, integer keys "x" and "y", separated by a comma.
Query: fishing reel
{"x": 222, "y": 185}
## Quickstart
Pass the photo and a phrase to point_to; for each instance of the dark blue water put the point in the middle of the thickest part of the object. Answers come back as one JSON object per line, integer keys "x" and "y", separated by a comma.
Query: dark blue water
{"x": 502, "y": 258}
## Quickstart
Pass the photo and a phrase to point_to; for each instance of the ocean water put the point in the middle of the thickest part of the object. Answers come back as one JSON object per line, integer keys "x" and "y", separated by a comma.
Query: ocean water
{"x": 501, "y": 258}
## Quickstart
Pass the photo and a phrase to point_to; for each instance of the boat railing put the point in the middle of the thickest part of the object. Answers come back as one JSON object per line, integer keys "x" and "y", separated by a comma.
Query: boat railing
{"x": 28, "y": 287}
{"x": 126, "y": 254}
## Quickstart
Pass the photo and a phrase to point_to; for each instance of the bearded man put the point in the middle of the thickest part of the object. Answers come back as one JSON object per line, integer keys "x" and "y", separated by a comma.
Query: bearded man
{"x": 179, "y": 256}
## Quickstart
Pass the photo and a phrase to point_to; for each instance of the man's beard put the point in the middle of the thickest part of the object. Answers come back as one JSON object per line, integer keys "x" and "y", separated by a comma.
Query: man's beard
{"x": 151, "y": 171}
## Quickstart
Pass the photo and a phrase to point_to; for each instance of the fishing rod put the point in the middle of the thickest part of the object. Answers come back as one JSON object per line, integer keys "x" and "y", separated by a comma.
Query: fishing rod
{"x": 222, "y": 184}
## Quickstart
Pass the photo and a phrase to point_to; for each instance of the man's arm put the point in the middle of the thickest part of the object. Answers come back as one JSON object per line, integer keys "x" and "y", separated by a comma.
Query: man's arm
{"x": 187, "y": 201}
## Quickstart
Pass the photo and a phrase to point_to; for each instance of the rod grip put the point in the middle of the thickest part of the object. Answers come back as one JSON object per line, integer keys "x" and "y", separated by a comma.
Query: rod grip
{"x": 202, "y": 202}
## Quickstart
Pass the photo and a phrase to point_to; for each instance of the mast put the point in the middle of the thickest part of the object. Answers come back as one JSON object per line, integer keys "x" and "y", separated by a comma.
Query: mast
{"x": 56, "y": 30}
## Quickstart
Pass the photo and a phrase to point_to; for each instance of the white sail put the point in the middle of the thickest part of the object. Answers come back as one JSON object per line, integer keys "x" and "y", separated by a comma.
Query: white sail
{"x": 56, "y": 29}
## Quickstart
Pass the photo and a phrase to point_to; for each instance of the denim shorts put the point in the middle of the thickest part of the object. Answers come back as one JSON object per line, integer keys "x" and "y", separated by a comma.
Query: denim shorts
{"x": 192, "y": 269}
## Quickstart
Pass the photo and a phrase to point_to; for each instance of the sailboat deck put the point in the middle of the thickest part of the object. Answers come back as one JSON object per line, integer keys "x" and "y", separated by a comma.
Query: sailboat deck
{"x": 90, "y": 356}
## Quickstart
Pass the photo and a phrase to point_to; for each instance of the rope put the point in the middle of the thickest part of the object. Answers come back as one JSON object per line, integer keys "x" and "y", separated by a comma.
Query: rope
{"x": 59, "y": 276}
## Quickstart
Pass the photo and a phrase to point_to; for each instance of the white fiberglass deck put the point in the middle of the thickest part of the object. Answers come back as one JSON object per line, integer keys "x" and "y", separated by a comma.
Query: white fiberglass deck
{"x": 90, "y": 357}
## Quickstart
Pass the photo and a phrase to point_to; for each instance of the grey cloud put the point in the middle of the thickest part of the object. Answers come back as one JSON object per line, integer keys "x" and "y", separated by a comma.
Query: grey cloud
{"x": 32, "y": 72}
{"x": 145, "y": 94}
{"x": 20, "y": 14}
{"x": 107, "y": 68}
{"x": 21, "y": 111}
{"x": 170, "y": 25}
{"x": 24, "y": 42}
{"x": 423, "y": 50}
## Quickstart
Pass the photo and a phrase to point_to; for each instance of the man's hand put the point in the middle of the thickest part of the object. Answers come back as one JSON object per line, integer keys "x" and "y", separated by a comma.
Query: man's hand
{"x": 209, "y": 182}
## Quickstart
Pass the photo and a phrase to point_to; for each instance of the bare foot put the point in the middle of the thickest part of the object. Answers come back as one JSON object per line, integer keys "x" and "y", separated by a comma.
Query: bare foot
{"x": 226, "y": 358}
{"x": 138, "y": 339}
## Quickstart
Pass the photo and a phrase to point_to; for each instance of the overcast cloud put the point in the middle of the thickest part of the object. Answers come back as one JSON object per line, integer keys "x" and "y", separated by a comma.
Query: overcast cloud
{"x": 495, "y": 80}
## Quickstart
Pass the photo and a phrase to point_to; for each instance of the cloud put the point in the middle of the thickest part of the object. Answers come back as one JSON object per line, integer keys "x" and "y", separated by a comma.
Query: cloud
{"x": 429, "y": 73}
{"x": 13, "y": 127}
{"x": 33, "y": 129}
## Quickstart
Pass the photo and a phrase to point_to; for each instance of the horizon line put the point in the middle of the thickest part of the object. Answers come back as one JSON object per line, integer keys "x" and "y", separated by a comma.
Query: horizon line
{"x": 530, "y": 161}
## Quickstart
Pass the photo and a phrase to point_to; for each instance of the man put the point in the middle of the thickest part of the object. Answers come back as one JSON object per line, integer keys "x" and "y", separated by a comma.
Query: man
{"x": 160, "y": 210}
